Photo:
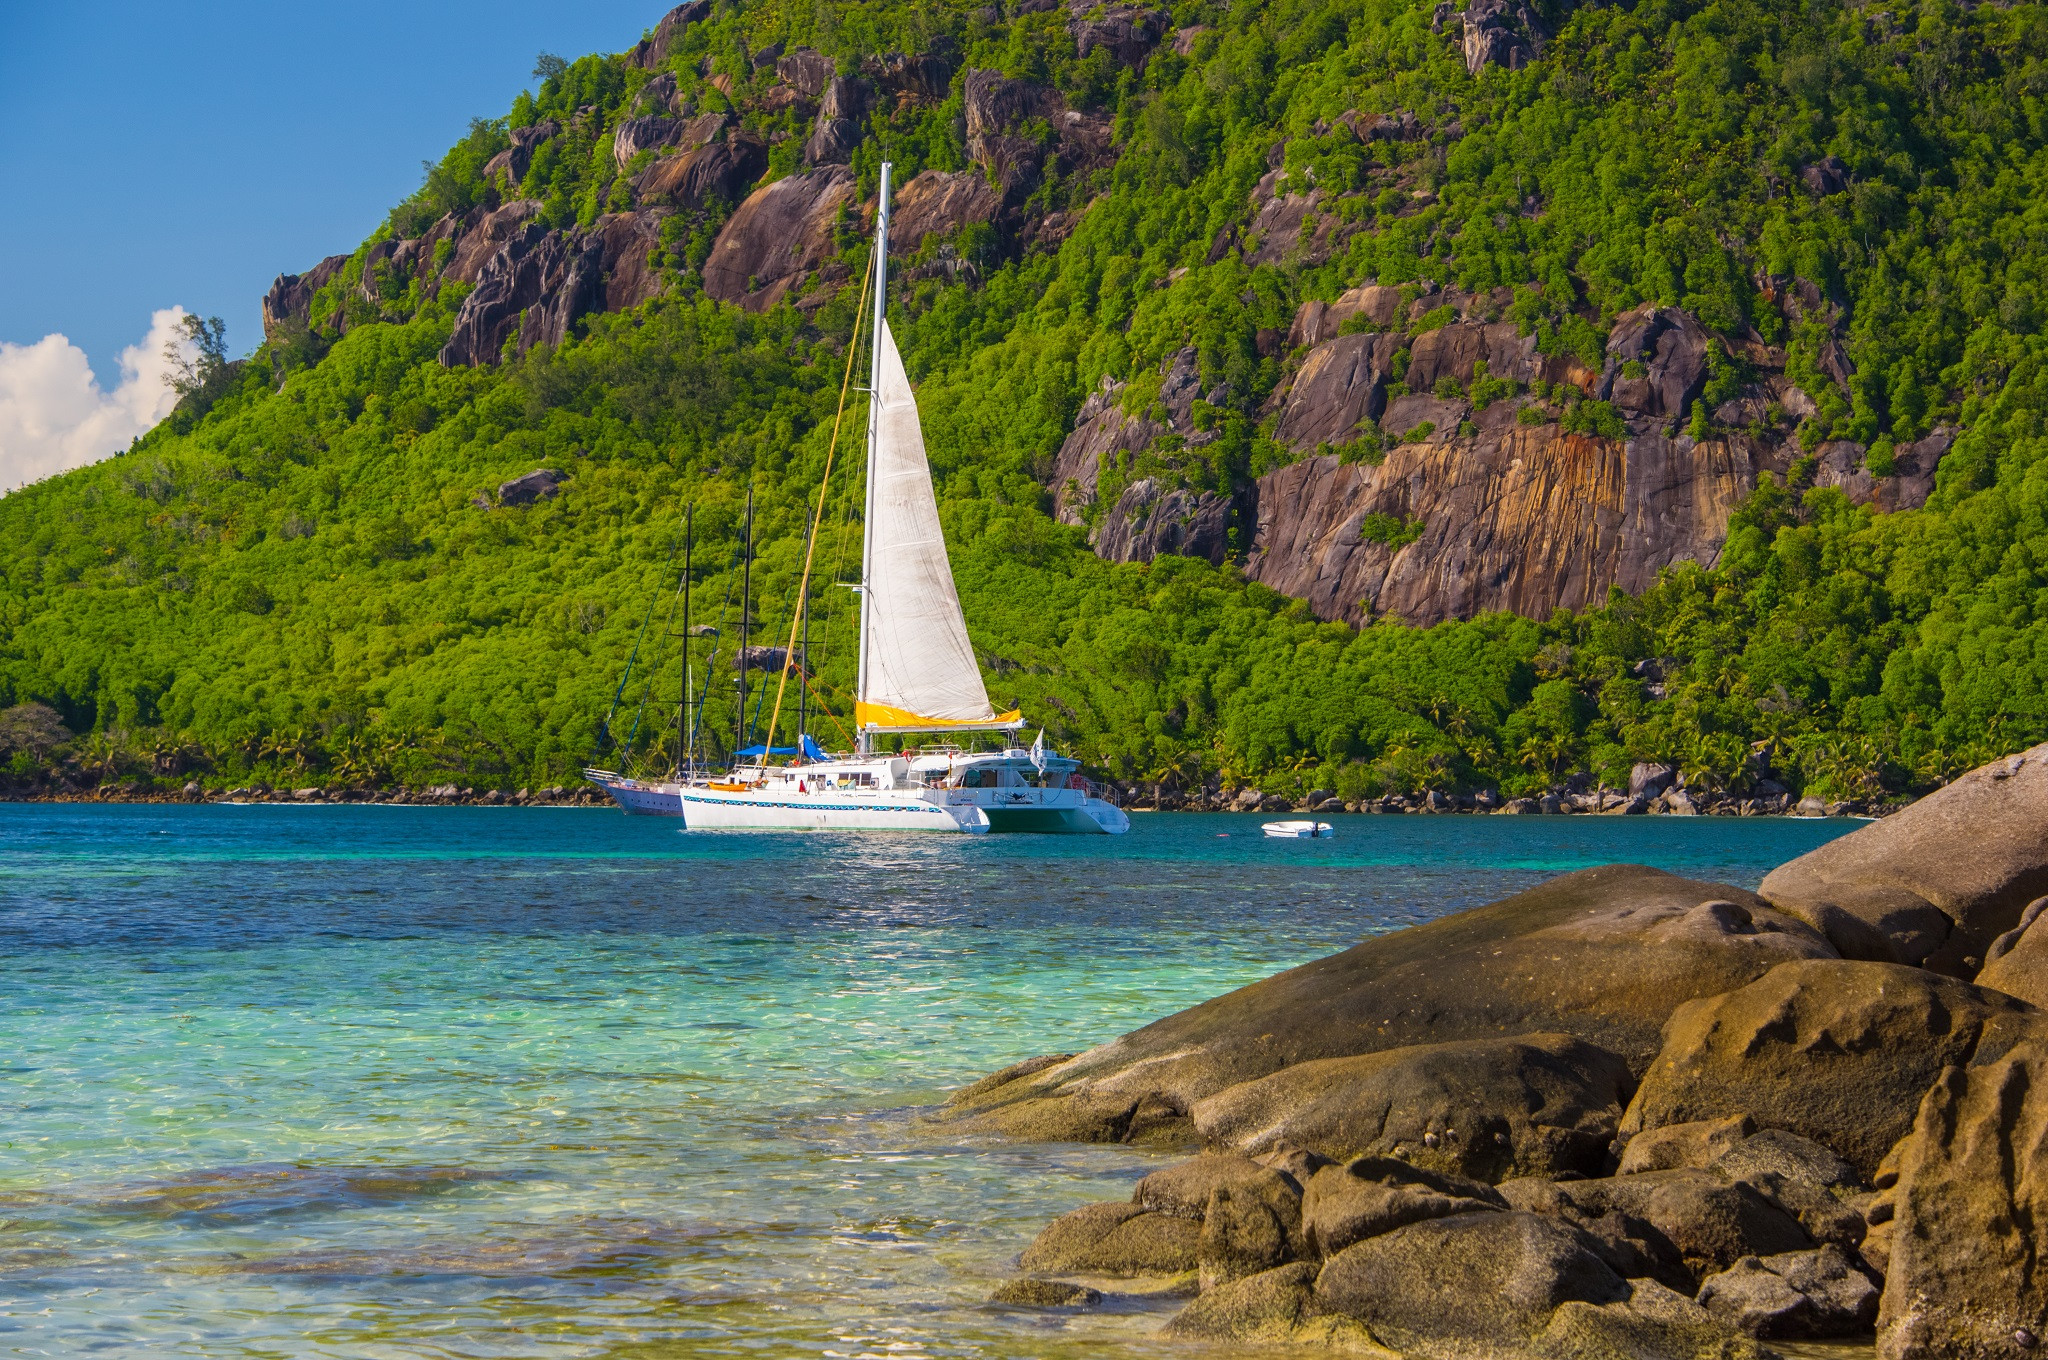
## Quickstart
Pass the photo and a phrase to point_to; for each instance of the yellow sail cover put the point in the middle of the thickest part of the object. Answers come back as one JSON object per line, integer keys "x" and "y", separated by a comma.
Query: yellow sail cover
{"x": 921, "y": 671}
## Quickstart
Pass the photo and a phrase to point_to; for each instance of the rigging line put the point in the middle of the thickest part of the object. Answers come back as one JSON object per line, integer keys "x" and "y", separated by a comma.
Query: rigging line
{"x": 826, "y": 709}
{"x": 711, "y": 661}
{"x": 817, "y": 518}
{"x": 838, "y": 567}
{"x": 846, "y": 505}
{"x": 668, "y": 629}
{"x": 605, "y": 733}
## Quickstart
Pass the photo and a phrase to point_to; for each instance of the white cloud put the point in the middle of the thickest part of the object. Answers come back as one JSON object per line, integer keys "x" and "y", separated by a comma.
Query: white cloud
{"x": 54, "y": 415}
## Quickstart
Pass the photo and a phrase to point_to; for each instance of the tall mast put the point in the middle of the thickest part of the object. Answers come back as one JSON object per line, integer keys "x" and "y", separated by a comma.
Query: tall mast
{"x": 683, "y": 728}
{"x": 803, "y": 676}
{"x": 867, "y": 554}
{"x": 746, "y": 605}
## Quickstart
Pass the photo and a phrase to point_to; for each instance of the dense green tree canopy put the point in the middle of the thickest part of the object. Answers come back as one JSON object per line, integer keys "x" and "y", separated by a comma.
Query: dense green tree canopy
{"x": 291, "y": 578}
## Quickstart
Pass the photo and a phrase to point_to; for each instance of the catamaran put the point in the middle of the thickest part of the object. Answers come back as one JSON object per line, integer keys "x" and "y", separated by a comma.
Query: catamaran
{"x": 917, "y": 675}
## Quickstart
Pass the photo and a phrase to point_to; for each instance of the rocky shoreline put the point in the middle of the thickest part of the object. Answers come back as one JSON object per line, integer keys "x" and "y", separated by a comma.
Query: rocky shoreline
{"x": 1653, "y": 790}
{"x": 1623, "y": 1114}
{"x": 441, "y": 795}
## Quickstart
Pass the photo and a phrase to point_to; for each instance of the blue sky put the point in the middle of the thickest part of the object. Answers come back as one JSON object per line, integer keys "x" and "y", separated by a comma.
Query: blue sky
{"x": 178, "y": 154}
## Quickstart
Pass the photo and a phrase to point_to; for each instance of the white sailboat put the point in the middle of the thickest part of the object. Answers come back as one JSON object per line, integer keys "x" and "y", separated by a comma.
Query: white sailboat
{"x": 917, "y": 673}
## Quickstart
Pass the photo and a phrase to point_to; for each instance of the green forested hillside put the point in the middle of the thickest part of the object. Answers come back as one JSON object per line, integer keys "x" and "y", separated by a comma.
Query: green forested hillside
{"x": 291, "y": 579}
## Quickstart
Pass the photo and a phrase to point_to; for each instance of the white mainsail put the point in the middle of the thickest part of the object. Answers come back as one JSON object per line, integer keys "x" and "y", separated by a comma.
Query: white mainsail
{"x": 920, "y": 670}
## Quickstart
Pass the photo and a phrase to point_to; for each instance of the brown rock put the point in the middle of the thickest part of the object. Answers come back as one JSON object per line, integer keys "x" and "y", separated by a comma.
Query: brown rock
{"x": 1185, "y": 1189}
{"x": 1340, "y": 388}
{"x": 1405, "y": 415}
{"x": 1317, "y": 322}
{"x": 1117, "y": 1240}
{"x": 1633, "y": 1247}
{"x": 776, "y": 237}
{"x": 805, "y": 70}
{"x": 534, "y": 486}
{"x": 1150, "y": 516}
{"x": 653, "y": 50}
{"x": 1935, "y": 883}
{"x": 1126, "y": 31}
{"x": 719, "y": 170}
{"x": 1603, "y": 954}
{"x": 1695, "y": 1144}
{"x": 1516, "y": 518}
{"x": 1030, "y": 1293}
{"x": 927, "y": 77}
{"x": 2017, "y": 961}
{"x": 1671, "y": 346}
{"x": 627, "y": 242}
{"x": 1710, "y": 1221}
{"x": 1842, "y": 464}
{"x": 1455, "y": 351}
{"x": 1000, "y": 138}
{"x": 936, "y": 203}
{"x": 511, "y": 164}
{"x": 1278, "y": 1306}
{"x": 534, "y": 288}
{"x": 1808, "y": 1181}
{"x": 1652, "y": 1323}
{"x": 1502, "y": 33}
{"x": 1482, "y": 1283}
{"x": 1374, "y": 1195}
{"x": 1834, "y": 1050}
{"x": 1802, "y": 1293}
{"x": 838, "y": 128}
{"x": 290, "y": 300}
{"x": 1967, "y": 1278}
{"x": 636, "y": 135}
{"x": 1484, "y": 1108}
{"x": 493, "y": 231}
{"x": 1242, "y": 1234}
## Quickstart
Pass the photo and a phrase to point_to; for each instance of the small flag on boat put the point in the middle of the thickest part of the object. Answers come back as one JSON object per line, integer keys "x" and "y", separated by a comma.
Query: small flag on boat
{"x": 1038, "y": 752}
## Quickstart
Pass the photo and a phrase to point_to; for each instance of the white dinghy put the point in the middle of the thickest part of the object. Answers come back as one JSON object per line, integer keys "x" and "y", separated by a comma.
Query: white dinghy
{"x": 1299, "y": 831}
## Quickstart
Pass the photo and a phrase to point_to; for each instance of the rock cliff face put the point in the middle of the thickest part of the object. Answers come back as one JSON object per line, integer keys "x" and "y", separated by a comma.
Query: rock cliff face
{"x": 999, "y": 114}
{"x": 1148, "y": 517}
{"x": 777, "y": 236}
{"x": 290, "y": 299}
{"x": 1528, "y": 520}
{"x": 1407, "y": 501}
{"x": 532, "y": 283}
{"x": 542, "y": 281}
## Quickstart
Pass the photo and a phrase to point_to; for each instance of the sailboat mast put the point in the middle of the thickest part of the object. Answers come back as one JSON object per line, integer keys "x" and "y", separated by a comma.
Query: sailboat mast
{"x": 683, "y": 730}
{"x": 867, "y": 555}
{"x": 803, "y": 674}
{"x": 739, "y": 724}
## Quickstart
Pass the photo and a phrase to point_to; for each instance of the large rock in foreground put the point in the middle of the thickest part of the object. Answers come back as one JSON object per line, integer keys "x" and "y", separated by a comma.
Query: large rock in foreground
{"x": 1935, "y": 883}
{"x": 2017, "y": 963}
{"x": 1603, "y": 955}
{"x": 1968, "y": 1273}
{"x": 1834, "y": 1050}
{"x": 1487, "y": 1108}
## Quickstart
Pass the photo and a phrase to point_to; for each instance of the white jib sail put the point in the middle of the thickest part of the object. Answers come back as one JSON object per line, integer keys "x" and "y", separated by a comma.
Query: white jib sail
{"x": 920, "y": 664}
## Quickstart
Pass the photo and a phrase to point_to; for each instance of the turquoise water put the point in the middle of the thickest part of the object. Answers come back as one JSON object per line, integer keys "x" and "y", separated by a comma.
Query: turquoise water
{"x": 366, "y": 1082}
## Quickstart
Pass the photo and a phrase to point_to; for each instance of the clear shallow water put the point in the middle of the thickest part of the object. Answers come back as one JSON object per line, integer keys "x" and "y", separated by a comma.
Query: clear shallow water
{"x": 287, "y": 1081}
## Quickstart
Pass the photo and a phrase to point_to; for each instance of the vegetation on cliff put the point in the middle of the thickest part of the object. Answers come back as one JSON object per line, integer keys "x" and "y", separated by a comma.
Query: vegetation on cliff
{"x": 302, "y": 577}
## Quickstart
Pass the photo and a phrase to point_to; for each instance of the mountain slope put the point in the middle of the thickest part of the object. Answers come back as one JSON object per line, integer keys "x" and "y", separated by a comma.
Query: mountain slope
{"x": 1408, "y": 312}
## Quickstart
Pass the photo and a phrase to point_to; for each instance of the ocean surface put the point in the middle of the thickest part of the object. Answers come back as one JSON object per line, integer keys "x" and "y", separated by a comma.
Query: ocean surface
{"x": 369, "y": 1081}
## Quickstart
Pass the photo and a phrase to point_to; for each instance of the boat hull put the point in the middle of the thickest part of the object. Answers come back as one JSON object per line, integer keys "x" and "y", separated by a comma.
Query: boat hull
{"x": 960, "y": 812}
{"x": 643, "y": 799}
